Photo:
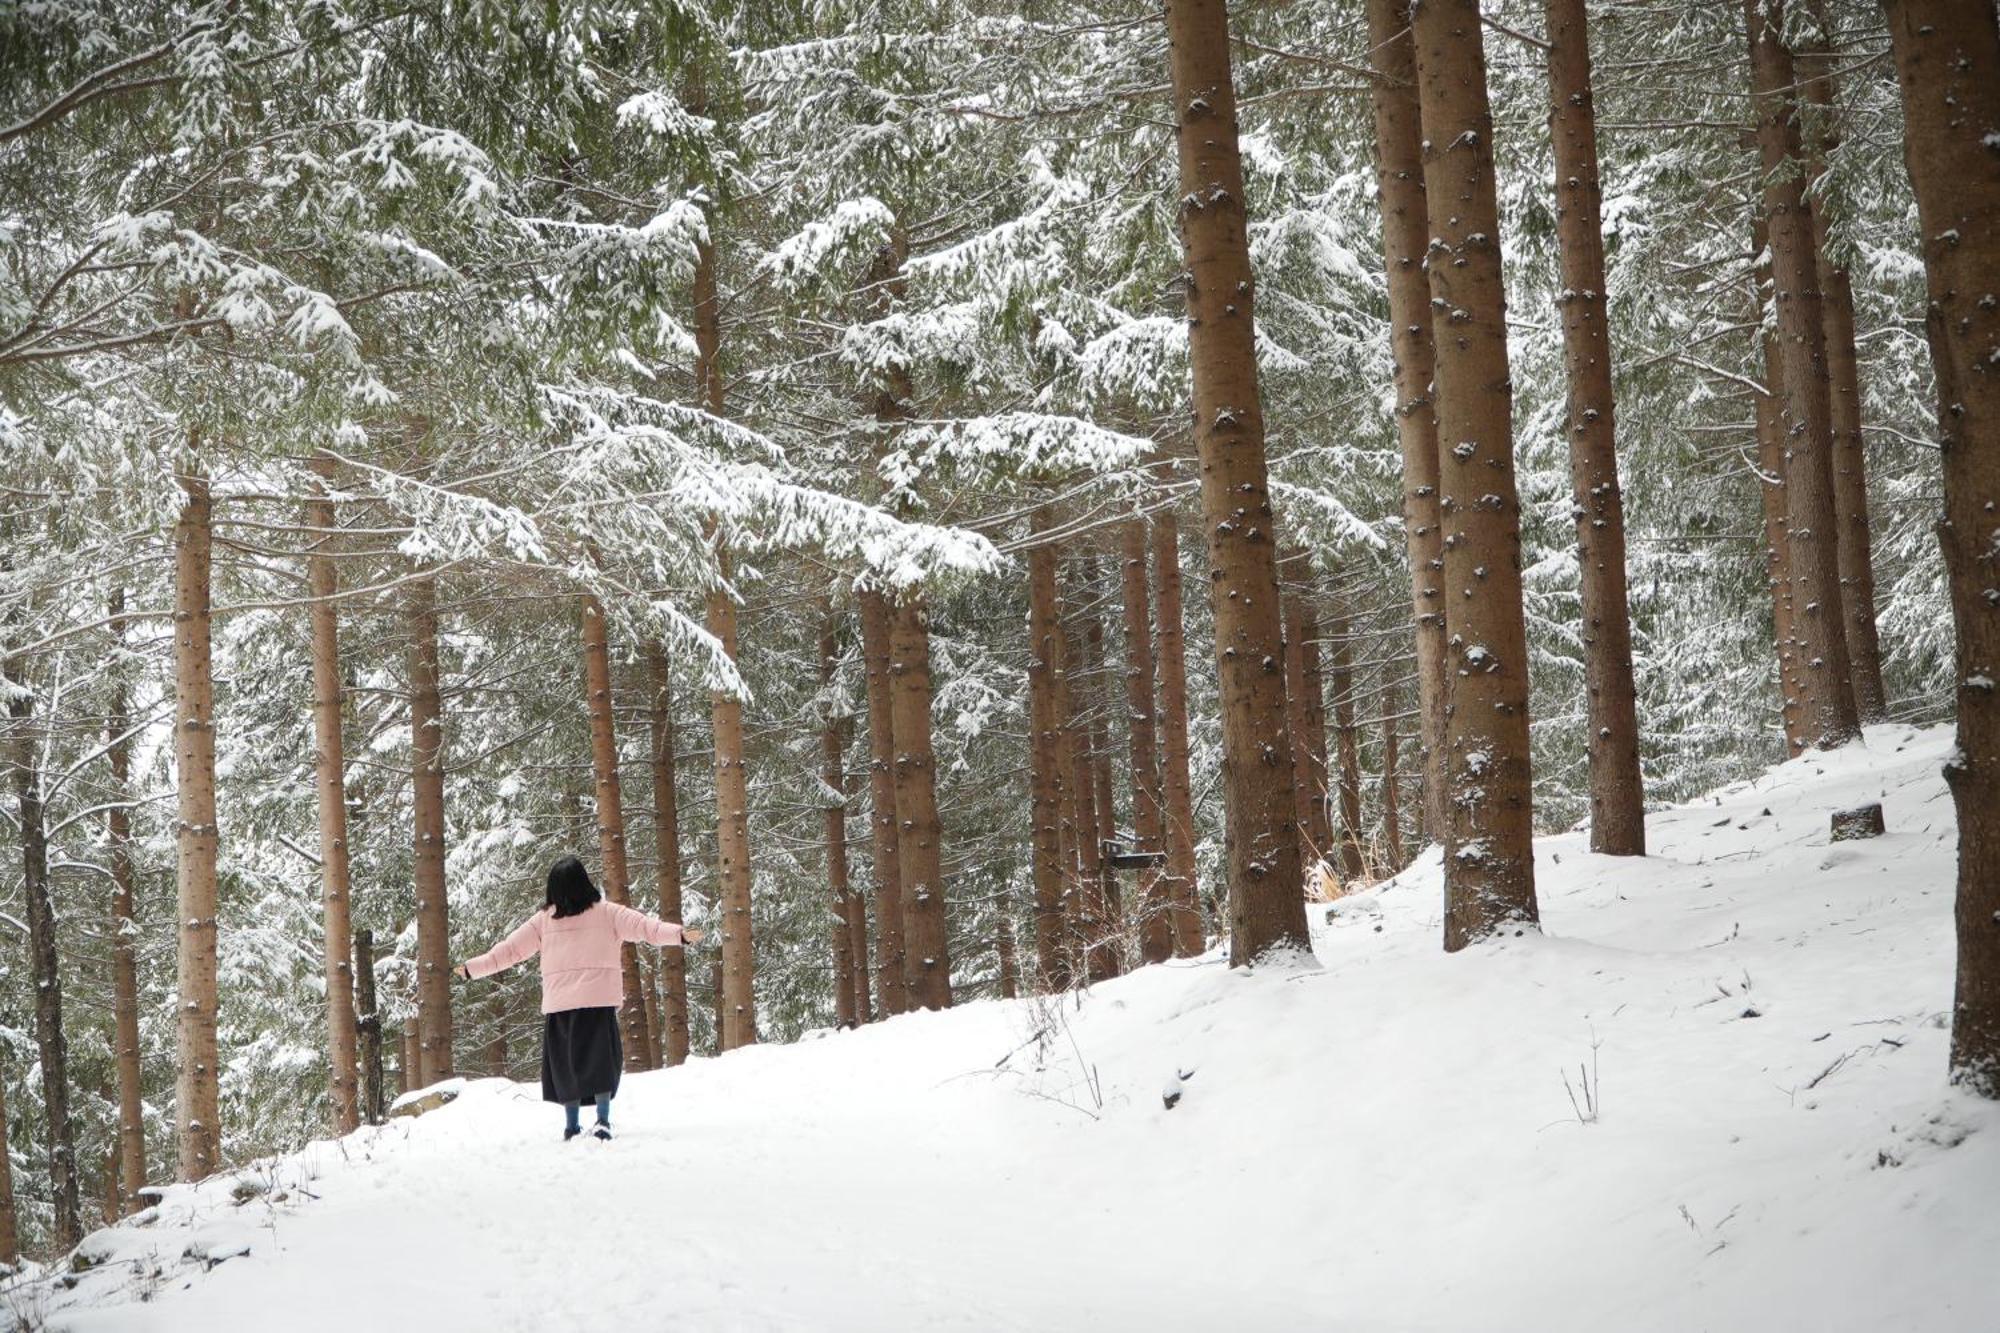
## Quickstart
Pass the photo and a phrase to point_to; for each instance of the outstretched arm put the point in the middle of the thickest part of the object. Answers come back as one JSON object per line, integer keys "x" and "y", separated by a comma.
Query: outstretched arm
{"x": 524, "y": 943}
{"x": 634, "y": 925}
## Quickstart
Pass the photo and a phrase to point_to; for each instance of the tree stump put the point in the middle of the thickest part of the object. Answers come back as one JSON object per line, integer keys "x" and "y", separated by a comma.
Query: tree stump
{"x": 1863, "y": 821}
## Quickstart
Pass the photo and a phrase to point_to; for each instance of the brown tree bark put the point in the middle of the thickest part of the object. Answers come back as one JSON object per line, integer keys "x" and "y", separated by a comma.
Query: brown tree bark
{"x": 1948, "y": 65}
{"x": 1266, "y": 898}
{"x": 124, "y": 927}
{"x": 1308, "y": 782}
{"x": 330, "y": 763}
{"x": 1812, "y": 549}
{"x": 1405, "y": 237}
{"x": 732, "y": 838}
{"x": 1850, "y": 466}
{"x": 410, "y": 1073}
{"x": 1347, "y": 743}
{"x": 1110, "y": 907}
{"x": 1180, "y": 888}
{"x": 1082, "y": 839}
{"x": 610, "y": 809}
{"x": 1489, "y": 851}
{"x": 1770, "y": 473}
{"x": 44, "y": 964}
{"x": 892, "y": 995}
{"x": 198, "y": 1130}
{"x": 1392, "y": 799}
{"x": 368, "y": 1028}
{"x": 732, "y": 783}
{"x": 1617, "y": 790}
{"x": 919, "y": 834}
{"x": 434, "y": 1017}
{"x": 832, "y": 773}
{"x": 1156, "y": 934}
{"x": 10, "y": 1220}
{"x": 667, "y": 845}
{"x": 1045, "y": 750}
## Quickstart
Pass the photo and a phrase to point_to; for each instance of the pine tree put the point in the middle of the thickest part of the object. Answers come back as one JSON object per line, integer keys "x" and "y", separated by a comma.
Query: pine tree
{"x": 673, "y": 1006}
{"x": 1617, "y": 792}
{"x": 197, "y": 1108}
{"x": 1266, "y": 902}
{"x": 1489, "y": 854}
{"x": 1399, "y": 174}
{"x": 329, "y": 757}
{"x": 1812, "y": 551}
{"x": 610, "y": 808}
{"x": 1948, "y": 66}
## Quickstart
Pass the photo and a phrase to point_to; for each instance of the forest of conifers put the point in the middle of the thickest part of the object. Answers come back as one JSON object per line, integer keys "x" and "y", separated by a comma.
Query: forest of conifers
{"x": 954, "y": 499}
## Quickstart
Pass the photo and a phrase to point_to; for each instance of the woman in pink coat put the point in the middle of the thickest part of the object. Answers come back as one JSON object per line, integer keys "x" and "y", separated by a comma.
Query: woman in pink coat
{"x": 580, "y": 938}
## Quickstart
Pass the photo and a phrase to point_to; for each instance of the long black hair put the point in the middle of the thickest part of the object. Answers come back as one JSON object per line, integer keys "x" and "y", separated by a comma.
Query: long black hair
{"x": 570, "y": 889}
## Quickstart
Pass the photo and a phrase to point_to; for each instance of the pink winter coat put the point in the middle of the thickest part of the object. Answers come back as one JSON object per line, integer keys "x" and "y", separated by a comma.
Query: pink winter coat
{"x": 580, "y": 954}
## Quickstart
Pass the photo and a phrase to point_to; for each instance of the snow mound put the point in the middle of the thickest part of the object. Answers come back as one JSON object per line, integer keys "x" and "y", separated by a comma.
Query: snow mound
{"x": 1711, "y": 1097}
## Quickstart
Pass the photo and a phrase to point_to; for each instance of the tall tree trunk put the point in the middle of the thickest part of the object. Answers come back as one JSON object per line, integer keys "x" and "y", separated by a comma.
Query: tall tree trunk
{"x": 368, "y": 1027}
{"x": 124, "y": 926}
{"x": 1406, "y": 234}
{"x": 667, "y": 845}
{"x": 850, "y": 943}
{"x": 919, "y": 835}
{"x": 1948, "y": 63}
{"x": 1353, "y": 863}
{"x": 1617, "y": 791}
{"x": 832, "y": 773}
{"x": 1156, "y": 934}
{"x": 1308, "y": 786}
{"x": 1312, "y": 670}
{"x": 892, "y": 995}
{"x": 1810, "y": 531}
{"x": 1266, "y": 903}
{"x": 732, "y": 838}
{"x": 1850, "y": 466}
{"x": 1770, "y": 472}
{"x": 197, "y": 1114}
{"x": 10, "y": 1220}
{"x": 1392, "y": 801}
{"x": 1097, "y": 670}
{"x": 1084, "y": 902}
{"x": 1489, "y": 850}
{"x": 610, "y": 810}
{"x": 45, "y": 967}
{"x": 1045, "y": 750}
{"x": 732, "y": 782}
{"x": 1180, "y": 889}
{"x": 434, "y": 1018}
{"x": 329, "y": 762}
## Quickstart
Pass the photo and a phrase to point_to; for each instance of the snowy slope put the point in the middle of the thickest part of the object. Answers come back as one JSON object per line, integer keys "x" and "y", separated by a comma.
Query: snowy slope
{"x": 1384, "y": 1142}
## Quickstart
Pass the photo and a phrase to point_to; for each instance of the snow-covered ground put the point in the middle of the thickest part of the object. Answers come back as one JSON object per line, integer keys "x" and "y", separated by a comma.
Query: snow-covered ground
{"x": 1384, "y": 1142}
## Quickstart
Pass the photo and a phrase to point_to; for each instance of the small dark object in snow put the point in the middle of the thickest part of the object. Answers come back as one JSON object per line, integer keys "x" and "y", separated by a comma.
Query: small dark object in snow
{"x": 1170, "y": 1095}
{"x": 1765, "y": 812}
{"x": 1863, "y": 821}
{"x": 1753, "y": 1012}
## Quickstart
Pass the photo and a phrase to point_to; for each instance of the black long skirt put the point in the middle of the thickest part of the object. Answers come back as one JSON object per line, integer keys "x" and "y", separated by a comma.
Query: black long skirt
{"x": 581, "y": 1055}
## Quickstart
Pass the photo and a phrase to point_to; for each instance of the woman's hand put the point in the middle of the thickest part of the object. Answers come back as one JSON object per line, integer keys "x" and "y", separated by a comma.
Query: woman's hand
{"x": 462, "y": 972}
{"x": 690, "y": 935}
